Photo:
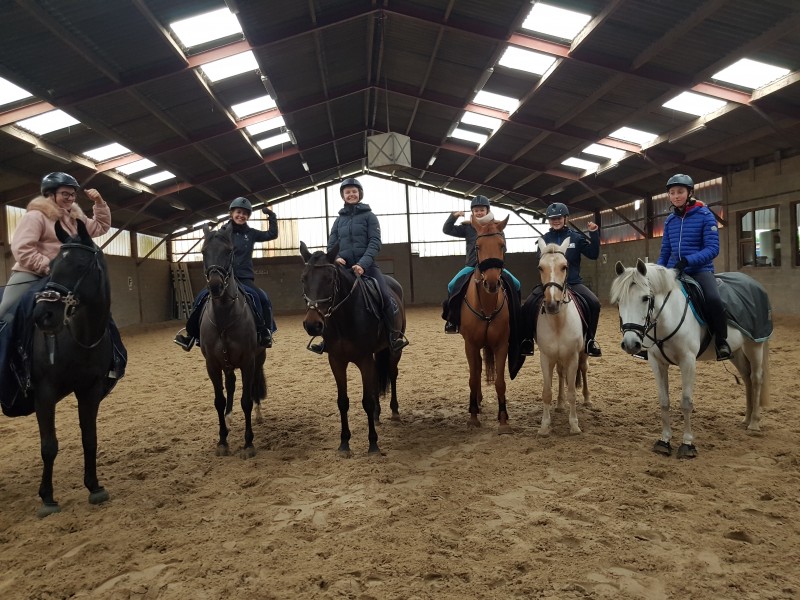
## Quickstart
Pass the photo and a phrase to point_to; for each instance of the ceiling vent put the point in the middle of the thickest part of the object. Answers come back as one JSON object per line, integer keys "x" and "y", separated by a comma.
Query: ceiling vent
{"x": 388, "y": 151}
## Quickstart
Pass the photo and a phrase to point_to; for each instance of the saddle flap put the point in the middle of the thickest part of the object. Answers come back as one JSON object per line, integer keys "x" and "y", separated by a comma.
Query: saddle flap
{"x": 372, "y": 296}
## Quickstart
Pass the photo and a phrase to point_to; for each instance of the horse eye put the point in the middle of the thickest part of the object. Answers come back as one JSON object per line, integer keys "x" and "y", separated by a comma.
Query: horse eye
{"x": 645, "y": 299}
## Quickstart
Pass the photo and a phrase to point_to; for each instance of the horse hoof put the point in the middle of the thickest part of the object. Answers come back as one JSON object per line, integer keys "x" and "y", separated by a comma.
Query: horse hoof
{"x": 374, "y": 451}
{"x": 504, "y": 429}
{"x": 222, "y": 450}
{"x": 98, "y": 496}
{"x": 474, "y": 423}
{"x": 346, "y": 453}
{"x": 48, "y": 509}
{"x": 662, "y": 447}
{"x": 395, "y": 417}
{"x": 575, "y": 430}
{"x": 248, "y": 452}
{"x": 687, "y": 451}
{"x": 543, "y": 432}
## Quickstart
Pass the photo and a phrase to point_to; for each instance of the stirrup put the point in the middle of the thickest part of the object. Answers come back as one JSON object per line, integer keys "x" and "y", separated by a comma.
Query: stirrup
{"x": 593, "y": 348}
{"x": 265, "y": 339}
{"x": 398, "y": 341}
{"x": 723, "y": 351}
{"x": 316, "y": 348}
{"x": 184, "y": 341}
{"x": 526, "y": 347}
{"x": 450, "y": 327}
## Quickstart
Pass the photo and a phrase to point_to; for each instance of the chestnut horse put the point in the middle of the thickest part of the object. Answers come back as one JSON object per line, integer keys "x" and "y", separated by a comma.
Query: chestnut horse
{"x": 485, "y": 320}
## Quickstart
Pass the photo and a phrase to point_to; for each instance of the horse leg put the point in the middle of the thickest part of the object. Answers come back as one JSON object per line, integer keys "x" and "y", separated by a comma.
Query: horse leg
{"x": 259, "y": 385}
{"x": 369, "y": 383}
{"x": 660, "y": 370}
{"x": 394, "y": 360}
{"x": 688, "y": 371}
{"x": 547, "y": 393}
{"x": 88, "y": 405}
{"x": 570, "y": 373}
{"x": 500, "y": 387}
{"x": 475, "y": 393}
{"x": 46, "y": 417}
{"x": 220, "y": 403}
{"x": 339, "y": 370}
{"x": 230, "y": 393}
{"x": 249, "y": 451}
{"x": 560, "y": 399}
{"x": 583, "y": 374}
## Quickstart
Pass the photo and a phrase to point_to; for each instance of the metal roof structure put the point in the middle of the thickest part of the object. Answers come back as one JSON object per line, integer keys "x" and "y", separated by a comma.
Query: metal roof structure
{"x": 342, "y": 71}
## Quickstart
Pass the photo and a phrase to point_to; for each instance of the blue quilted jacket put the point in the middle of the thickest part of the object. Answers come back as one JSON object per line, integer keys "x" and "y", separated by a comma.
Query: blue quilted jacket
{"x": 358, "y": 234}
{"x": 693, "y": 236}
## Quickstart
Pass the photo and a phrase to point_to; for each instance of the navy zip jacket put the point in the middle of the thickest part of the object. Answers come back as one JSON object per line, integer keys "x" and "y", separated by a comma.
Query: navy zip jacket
{"x": 244, "y": 238}
{"x": 357, "y": 232}
{"x": 466, "y": 231}
{"x": 578, "y": 245}
{"x": 693, "y": 236}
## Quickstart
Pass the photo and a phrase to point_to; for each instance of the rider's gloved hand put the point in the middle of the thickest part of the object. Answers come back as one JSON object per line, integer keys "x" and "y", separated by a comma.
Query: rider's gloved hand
{"x": 681, "y": 264}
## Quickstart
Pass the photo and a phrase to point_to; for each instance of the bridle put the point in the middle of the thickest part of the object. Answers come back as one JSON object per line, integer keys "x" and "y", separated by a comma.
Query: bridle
{"x": 566, "y": 297}
{"x": 333, "y": 306}
{"x": 651, "y": 325}
{"x": 483, "y": 266}
{"x": 56, "y": 292}
{"x": 224, "y": 273}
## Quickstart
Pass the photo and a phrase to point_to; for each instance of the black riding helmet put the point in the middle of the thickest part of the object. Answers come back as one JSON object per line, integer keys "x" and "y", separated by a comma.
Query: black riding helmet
{"x": 681, "y": 179}
{"x": 351, "y": 182}
{"x": 480, "y": 201}
{"x": 242, "y": 203}
{"x": 557, "y": 209}
{"x": 52, "y": 181}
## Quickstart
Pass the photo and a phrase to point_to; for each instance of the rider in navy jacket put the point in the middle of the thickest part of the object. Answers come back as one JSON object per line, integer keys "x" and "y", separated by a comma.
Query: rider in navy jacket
{"x": 690, "y": 245}
{"x": 579, "y": 246}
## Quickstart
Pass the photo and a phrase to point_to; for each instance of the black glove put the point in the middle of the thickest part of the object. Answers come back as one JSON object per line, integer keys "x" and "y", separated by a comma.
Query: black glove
{"x": 267, "y": 211}
{"x": 681, "y": 264}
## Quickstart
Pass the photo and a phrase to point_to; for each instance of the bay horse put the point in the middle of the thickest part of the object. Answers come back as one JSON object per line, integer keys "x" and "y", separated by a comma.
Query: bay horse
{"x": 337, "y": 308}
{"x": 559, "y": 334}
{"x": 228, "y": 340}
{"x": 654, "y": 316}
{"x": 72, "y": 352}
{"x": 485, "y": 321}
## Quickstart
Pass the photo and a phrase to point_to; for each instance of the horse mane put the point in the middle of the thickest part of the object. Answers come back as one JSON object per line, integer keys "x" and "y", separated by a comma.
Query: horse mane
{"x": 659, "y": 280}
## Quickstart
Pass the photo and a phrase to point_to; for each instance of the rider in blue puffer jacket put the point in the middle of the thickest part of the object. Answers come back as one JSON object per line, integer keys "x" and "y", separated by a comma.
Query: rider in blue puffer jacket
{"x": 690, "y": 244}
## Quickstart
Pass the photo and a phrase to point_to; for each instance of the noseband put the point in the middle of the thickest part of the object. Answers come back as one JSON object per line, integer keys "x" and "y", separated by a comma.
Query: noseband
{"x": 489, "y": 263}
{"x": 314, "y": 303}
{"x": 56, "y": 292}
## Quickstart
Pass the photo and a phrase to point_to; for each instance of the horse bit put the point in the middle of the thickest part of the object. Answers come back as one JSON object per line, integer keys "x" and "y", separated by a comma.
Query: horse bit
{"x": 56, "y": 292}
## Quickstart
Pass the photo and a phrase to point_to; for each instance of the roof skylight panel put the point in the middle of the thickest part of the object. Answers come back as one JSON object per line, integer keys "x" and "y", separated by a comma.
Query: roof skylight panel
{"x": 251, "y": 107}
{"x": 635, "y": 136}
{"x": 604, "y": 151}
{"x": 11, "y": 93}
{"x": 206, "y": 27}
{"x": 579, "y": 163}
{"x": 750, "y": 74}
{"x": 157, "y": 177}
{"x": 555, "y": 21}
{"x": 267, "y": 125}
{"x": 230, "y": 66}
{"x": 469, "y": 136}
{"x": 275, "y": 140}
{"x": 694, "y": 104}
{"x": 504, "y": 103}
{"x": 136, "y": 166}
{"x": 107, "y": 152}
{"x": 48, "y": 122}
{"x": 526, "y": 60}
{"x": 483, "y": 121}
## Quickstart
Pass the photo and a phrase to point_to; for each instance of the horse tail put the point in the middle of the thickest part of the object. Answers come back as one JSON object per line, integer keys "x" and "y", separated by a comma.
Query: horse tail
{"x": 382, "y": 365}
{"x": 764, "y": 399}
{"x": 488, "y": 364}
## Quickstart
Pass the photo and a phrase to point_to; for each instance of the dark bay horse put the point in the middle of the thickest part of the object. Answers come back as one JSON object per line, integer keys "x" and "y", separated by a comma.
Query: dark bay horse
{"x": 337, "y": 309}
{"x": 485, "y": 321}
{"x": 228, "y": 340}
{"x": 72, "y": 352}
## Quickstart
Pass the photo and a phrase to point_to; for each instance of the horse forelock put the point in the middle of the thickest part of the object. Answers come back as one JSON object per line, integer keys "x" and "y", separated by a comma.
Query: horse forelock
{"x": 657, "y": 281}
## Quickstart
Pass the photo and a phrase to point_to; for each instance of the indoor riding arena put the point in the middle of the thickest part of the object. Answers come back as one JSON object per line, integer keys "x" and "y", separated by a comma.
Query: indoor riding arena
{"x": 172, "y": 111}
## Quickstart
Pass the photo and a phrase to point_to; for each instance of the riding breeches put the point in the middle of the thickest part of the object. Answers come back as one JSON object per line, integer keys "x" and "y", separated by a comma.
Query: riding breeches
{"x": 714, "y": 306}
{"x": 17, "y": 285}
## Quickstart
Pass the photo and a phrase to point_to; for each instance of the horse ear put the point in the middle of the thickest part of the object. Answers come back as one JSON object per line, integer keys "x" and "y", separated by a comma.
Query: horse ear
{"x": 641, "y": 267}
{"x": 502, "y": 224}
{"x": 206, "y": 230}
{"x": 565, "y": 245}
{"x": 60, "y": 233}
{"x": 542, "y": 245}
{"x": 83, "y": 233}
{"x": 304, "y": 252}
{"x": 331, "y": 256}
{"x": 619, "y": 268}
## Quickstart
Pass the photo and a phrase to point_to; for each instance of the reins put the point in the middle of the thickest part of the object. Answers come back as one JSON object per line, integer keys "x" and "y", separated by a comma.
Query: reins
{"x": 314, "y": 303}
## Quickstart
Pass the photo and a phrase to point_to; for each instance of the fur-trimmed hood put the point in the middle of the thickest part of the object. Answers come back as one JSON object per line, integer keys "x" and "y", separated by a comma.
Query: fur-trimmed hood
{"x": 53, "y": 212}
{"x": 487, "y": 218}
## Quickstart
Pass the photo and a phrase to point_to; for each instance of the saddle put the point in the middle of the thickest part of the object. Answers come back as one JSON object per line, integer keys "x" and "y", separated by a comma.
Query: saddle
{"x": 373, "y": 299}
{"x": 746, "y": 303}
{"x": 16, "y": 349}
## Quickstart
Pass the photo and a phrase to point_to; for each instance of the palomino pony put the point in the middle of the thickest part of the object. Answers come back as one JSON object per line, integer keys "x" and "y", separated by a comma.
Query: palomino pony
{"x": 654, "y": 316}
{"x": 338, "y": 308}
{"x": 72, "y": 352}
{"x": 485, "y": 321}
{"x": 228, "y": 340}
{"x": 559, "y": 334}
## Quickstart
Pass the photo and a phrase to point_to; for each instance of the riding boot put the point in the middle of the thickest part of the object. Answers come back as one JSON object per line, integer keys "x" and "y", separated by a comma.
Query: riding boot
{"x": 450, "y": 327}
{"x": 264, "y": 336}
{"x": 723, "y": 349}
{"x": 593, "y": 348}
{"x": 317, "y": 348}
{"x": 185, "y": 341}
{"x": 397, "y": 340}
